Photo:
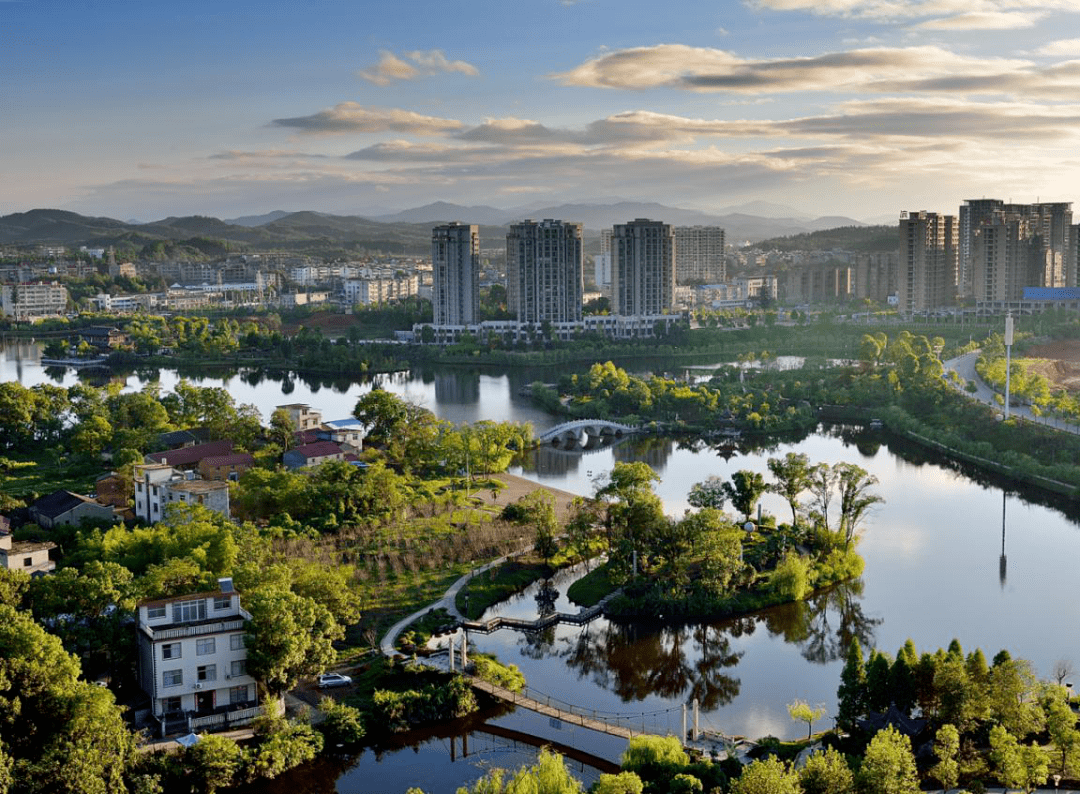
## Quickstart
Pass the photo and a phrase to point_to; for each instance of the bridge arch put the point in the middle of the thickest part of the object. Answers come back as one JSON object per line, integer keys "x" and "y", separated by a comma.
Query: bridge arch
{"x": 582, "y": 430}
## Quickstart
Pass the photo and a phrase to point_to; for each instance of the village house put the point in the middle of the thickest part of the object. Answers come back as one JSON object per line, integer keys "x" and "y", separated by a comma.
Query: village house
{"x": 158, "y": 485}
{"x": 23, "y": 555}
{"x": 193, "y": 661}
{"x": 63, "y": 508}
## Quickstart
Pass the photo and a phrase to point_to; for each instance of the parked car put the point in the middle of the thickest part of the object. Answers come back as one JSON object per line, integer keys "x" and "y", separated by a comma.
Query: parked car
{"x": 327, "y": 680}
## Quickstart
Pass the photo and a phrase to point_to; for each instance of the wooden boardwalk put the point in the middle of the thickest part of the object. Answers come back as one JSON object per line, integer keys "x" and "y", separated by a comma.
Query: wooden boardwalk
{"x": 577, "y": 619}
{"x": 569, "y": 717}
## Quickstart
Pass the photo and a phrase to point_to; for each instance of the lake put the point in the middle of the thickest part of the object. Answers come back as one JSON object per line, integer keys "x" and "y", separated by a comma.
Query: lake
{"x": 935, "y": 571}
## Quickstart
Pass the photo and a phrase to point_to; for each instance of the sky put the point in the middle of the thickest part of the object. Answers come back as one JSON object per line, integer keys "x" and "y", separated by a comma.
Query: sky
{"x": 141, "y": 109}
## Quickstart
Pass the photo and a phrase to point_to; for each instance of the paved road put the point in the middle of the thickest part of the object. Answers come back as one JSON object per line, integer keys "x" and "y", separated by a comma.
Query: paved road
{"x": 964, "y": 366}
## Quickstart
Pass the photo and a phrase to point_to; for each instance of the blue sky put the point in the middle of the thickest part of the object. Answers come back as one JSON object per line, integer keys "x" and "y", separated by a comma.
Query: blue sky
{"x": 143, "y": 109}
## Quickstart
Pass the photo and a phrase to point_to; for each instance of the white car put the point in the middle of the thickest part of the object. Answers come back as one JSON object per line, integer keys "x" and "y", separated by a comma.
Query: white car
{"x": 327, "y": 680}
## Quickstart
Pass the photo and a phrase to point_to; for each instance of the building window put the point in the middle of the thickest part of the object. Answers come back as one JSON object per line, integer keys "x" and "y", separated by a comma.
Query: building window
{"x": 205, "y": 646}
{"x": 236, "y": 642}
{"x": 172, "y": 678}
{"x": 222, "y": 602}
{"x": 238, "y": 668}
{"x": 207, "y": 672}
{"x": 238, "y": 694}
{"x": 27, "y": 562}
{"x": 170, "y": 650}
{"x": 155, "y": 613}
{"x": 170, "y": 705}
{"x": 185, "y": 611}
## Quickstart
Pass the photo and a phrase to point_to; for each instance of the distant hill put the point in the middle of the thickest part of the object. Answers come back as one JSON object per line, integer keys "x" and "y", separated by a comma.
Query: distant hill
{"x": 320, "y": 232}
{"x": 869, "y": 239}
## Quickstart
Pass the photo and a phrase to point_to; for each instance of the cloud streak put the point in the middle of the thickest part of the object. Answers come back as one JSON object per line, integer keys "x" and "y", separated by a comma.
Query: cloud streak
{"x": 413, "y": 65}
{"x": 703, "y": 69}
{"x": 352, "y": 117}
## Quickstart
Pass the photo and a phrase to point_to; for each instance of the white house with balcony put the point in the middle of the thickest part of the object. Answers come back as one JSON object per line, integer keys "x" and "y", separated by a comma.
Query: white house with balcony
{"x": 193, "y": 661}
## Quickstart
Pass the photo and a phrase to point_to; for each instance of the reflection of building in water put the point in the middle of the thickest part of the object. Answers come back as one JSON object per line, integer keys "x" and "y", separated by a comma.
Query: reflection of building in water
{"x": 549, "y": 460}
{"x": 457, "y": 388}
{"x": 654, "y": 450}
{"x": 21, "y": 350}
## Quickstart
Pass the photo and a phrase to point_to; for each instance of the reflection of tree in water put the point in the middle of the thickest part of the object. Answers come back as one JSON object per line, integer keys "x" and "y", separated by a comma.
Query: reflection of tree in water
{"x": 809, "y": 623}
{"x": 546, "y": 596}
{"x": 636, "y": 661}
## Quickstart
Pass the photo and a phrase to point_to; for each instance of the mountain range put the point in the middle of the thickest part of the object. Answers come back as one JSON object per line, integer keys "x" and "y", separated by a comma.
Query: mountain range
{"x": 407, "y": 230}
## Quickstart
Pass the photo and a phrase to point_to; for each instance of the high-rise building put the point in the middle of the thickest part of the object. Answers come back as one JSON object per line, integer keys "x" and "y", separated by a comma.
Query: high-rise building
{"x": 642, "y": 268}
{"x": 455, "y": 266}
{"x": 1001, "y": 258}
{"x": 928, "y": 256}
{"x": 544, "y": 263}
{"x": 973, "y": 214}
{"x": 699, "y": 255}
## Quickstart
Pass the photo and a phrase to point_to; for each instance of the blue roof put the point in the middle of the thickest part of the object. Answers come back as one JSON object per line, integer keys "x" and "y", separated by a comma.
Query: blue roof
{"x": 1051, "y": 293}
{"x": 340, "y": 424}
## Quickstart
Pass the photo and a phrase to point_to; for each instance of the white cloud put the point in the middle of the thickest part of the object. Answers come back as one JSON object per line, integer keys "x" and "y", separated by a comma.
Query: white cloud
{"x": 390, "y": 67}
{"x": 1063, "y": 48}
{"x": 353, "y": 117}
{"x": 911, "y": 9}
{"x": 992, "y": 20}
{"x": 707, "y": 69}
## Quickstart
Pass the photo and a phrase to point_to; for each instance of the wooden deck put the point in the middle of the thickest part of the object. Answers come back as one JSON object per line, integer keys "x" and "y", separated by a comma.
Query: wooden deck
{"x": 576, "y": 619}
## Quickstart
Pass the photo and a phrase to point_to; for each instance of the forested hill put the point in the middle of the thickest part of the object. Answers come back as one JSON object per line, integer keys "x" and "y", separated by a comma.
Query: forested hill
{"x": 845, "y": 238}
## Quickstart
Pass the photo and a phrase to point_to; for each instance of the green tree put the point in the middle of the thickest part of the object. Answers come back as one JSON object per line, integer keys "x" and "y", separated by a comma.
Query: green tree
{"x": 622, "y": 783}
{"x": 853, "y": 485}
{"x": 652, "y": 757}
{"x": 710, "y": 492}
{"x": 1012, "y": 697}
{"x": 281, "y": 429}
{"x": 289, "y": 636}
{"x": 767, "y": 776}
{"x": 1061, "y": 725}
{"x": 827, "y": 773}
{"x": 341, "y": 724}
{"x": 851, "y": 696}
{"x": 888, "y": 766}
{"x": 878, "y": 693}
{"x": 801, "y": 711}
{"x": 792, "y": 473}
{"x": 947, "y": 748}
{"x": 1018, "y": 766}
{"x": 744, "y": 490}
{"x": 215, "y": 762}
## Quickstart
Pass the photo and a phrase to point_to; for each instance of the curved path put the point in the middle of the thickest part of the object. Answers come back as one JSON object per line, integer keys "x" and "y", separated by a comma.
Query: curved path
{"x": 964, "y": 366}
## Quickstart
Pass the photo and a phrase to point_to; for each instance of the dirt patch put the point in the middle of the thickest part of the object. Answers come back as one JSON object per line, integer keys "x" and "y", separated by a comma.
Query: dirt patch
{"x": 330, "y": 323}
{"x": 517, "y": 487}
{"x": 1058, "y": 362}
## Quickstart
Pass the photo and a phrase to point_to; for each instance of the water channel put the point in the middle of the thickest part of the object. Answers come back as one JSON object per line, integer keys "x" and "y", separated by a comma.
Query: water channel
{"x": 948, "y": 555}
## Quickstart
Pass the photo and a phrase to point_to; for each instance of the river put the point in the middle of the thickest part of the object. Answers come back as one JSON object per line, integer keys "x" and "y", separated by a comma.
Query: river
{"x": 948, "y": 555}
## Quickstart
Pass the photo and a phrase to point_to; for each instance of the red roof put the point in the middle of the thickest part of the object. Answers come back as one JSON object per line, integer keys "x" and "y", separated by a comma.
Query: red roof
{"x": 320, "y": 449}
{"x": 189, "y": 455}
{"x": 235, "y": 459}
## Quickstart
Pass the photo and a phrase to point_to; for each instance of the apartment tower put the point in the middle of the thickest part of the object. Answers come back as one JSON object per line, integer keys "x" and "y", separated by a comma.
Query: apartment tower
{"x": 699, "y": 255}
{"x": 928, "y": 257}
{"x": 455, "y": 265}
{"x": 642, "y": 268}
{"x": 544, "y": 264}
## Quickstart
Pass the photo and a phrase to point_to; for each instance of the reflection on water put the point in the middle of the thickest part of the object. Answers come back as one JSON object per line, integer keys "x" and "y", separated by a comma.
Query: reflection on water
{"x": 824, "y": 625}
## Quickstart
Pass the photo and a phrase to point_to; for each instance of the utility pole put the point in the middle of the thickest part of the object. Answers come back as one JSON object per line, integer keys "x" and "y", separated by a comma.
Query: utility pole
{"x": 1008, "y": 359}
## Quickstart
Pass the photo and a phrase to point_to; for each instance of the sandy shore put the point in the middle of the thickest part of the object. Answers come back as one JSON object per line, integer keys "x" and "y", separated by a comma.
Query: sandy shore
{"x": 517, "y": 487}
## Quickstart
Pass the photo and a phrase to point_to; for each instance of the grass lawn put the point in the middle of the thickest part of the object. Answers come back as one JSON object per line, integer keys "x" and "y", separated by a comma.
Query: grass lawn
{"x": 52, "y": 469}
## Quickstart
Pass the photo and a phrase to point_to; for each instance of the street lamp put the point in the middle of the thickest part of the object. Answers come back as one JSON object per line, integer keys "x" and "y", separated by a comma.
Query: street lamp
{"x": 1008, "y": 359}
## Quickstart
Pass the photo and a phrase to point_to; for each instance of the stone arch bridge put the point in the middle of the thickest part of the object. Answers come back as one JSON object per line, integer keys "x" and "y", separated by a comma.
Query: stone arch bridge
{"x": 586, "y": 432}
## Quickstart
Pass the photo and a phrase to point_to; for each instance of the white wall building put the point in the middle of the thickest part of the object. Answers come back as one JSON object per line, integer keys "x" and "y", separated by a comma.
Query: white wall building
{"x": 157, "y": 485}
{"x": 193, "y": 660}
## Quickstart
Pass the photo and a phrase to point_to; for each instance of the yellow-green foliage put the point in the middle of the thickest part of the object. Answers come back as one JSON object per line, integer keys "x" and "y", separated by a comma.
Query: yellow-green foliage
{"x": 488, "y": 668}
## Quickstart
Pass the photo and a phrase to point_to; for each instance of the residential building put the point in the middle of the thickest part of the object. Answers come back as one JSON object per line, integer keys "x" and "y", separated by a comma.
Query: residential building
{"x": 225, "y": 467}
{"x": 642, "y": 268}
{"x": 303, "y": 416}
{"x": 374, "y": 291}
{"x": 31, "y": 557}
{"x": 188, "y": 458}
{"x": 193, "y": 660}
{"x": 64, "y": 508}
{"x": 312, "y": 454}
{"x": 699, "y": 255}
{"x": 349, "y": 434}
{"x": 928, "y": 257}
{"x": 544, "y": 264}
{"x": 455, "y": 260}
{"x": 157, "y": 485}
{"x": 33, "y": 300}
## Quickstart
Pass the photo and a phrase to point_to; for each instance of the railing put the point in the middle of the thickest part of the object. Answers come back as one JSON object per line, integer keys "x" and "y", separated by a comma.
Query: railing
{"x": 228, "y": 718}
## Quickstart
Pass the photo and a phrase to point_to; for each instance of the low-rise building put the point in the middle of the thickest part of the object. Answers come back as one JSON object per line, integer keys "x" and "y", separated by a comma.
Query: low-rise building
{"x": 226, "y": 467}
{"x": 30, "y": 557}
{"x": 303, "y": 416}
{"x": 64, "y": 508}
{"x": 193, "y": 661}
{"x": 157, "y": 485}
{"x": 188, "y": 458}
{"x": 312, "y": 454}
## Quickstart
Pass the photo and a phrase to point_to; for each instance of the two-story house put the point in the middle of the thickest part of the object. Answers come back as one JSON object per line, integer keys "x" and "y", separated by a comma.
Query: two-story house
{"x": 24, "y": 555}
{"x": 193, "y": 661}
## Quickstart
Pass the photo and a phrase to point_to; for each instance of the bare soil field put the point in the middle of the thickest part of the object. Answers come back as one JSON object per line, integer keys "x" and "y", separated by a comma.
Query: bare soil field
{"x": 1059, "y": 363}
